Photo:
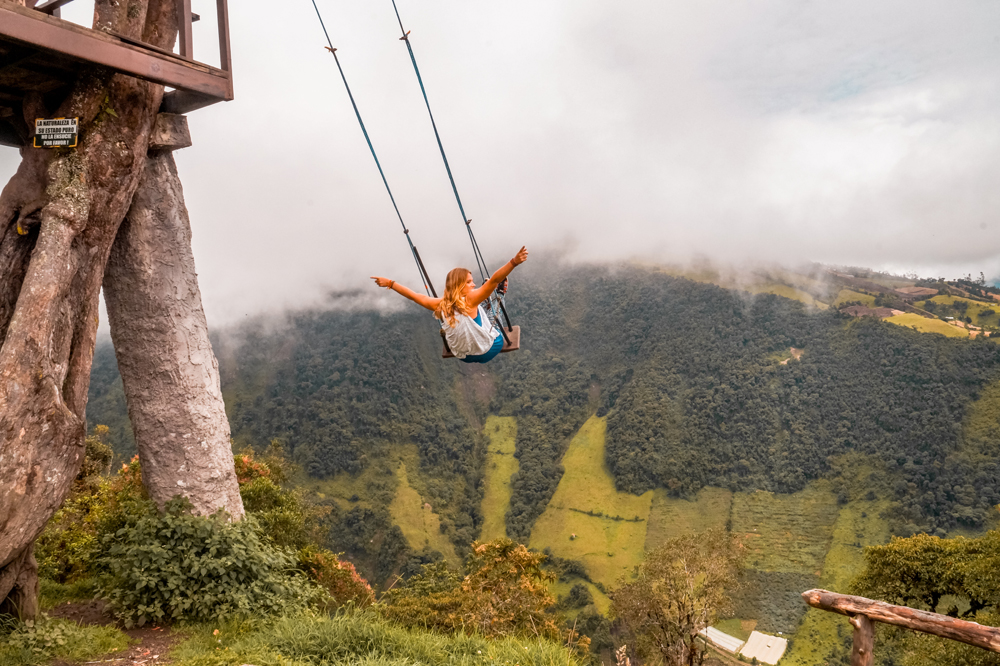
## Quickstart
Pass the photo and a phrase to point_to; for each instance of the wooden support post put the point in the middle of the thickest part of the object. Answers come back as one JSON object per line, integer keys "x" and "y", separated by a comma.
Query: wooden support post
{"x": 184, "y": 29}
{"x": 225, "y": 48}
{"x": 864, "y": 641}
{"x": 944, "y": 626}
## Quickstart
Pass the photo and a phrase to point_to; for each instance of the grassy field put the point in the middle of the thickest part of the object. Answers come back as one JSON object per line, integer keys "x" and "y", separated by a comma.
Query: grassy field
{"x": 420, "y": 525}
{"x": 784, "y": 290}
{"x": 786, "y": 533}
{"x": 820, "y": 637}
{"x": 926, "y": 325}
{"x": 670, "y": 518}
{"x": 500, "y": 466}
{"x": 609, "y": 548}
{"x": 562, "y": 588}
{"x": 849, "y": 295}
{"x": 735, "y": 627}
{"x": 974, "y": 309}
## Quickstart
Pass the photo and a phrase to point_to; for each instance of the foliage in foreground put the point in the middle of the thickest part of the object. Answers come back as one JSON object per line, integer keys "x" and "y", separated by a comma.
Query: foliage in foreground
{"x": 357, "y": 638}
{"x": 504, "y": 593}
{"x": 681, "y": 588}
{"x": 178, "y": 566}
{"x": 28, "y": 644}
{"x": 929, "y": 572}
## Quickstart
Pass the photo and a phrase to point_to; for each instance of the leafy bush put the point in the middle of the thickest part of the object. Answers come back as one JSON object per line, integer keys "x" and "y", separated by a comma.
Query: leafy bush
{"x": 341, "y": 581}
{"x": 180, "y": 566}
{"x": 68, "y": 549}
{"x": 504, "y": 593}
{"x": 41, "y": 641}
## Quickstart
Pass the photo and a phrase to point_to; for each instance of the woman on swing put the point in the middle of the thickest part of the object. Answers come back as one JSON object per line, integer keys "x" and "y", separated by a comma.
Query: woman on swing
{"x": 470, "y": 334}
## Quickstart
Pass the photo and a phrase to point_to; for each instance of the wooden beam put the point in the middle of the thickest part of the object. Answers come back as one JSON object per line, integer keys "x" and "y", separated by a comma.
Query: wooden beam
{"x": 225, "y": 48}
{"x": 52, "y": 34}
{"x": 185, "y": 34}
{"x": 944, "y": 626}
{"x": 51, "y": 7}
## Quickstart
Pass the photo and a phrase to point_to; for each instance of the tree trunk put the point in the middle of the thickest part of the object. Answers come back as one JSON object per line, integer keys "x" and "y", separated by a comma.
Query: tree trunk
{"x": 170, "y": 375}
{"x": 59, "y": 215}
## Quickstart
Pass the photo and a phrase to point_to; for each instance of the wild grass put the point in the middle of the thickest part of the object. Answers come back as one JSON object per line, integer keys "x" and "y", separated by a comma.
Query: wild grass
{"x": 50, "y": 639}
{"x": 610, "y": 541}
{"x": 670, "y": 518}
{"x": 785, "y": 291}
{"x": 53, "y": 593}
{"x": 500, "y": 466}
{"x": 357, "y": 639}
{"x": 925, "y": 325}
{"x": 974, "y": 309}
{"x": 786, "y": 533}
{"x": 419, "y": 523}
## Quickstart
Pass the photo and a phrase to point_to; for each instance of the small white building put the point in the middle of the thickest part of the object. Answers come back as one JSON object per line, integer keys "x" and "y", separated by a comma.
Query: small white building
{"x": 721, "y": 640}
{"x": 768, "y": 649}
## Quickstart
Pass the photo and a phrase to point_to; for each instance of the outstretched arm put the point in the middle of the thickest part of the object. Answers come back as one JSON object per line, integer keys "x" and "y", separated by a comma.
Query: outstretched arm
{"x": 483, "y": 292}
{"x": 420, "y": 299}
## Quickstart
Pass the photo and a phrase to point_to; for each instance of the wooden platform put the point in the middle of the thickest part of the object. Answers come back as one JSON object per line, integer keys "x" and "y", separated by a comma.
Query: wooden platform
{"x": 515, "y": 342}
{"x": 44, "y": 54}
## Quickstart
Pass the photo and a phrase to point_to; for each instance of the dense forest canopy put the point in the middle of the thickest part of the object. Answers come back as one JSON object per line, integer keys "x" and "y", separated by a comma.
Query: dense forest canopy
{"x": 697, "y": 382}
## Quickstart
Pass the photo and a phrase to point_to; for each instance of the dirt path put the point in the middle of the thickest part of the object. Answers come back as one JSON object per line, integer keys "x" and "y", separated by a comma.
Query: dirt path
{"x": 151, "y": 643}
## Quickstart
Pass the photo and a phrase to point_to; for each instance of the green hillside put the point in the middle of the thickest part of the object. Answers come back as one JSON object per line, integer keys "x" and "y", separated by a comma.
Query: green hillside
{"x": 642, "y": 406}
{"x": 588, "y": 519}
{"x": 501, "y": 465}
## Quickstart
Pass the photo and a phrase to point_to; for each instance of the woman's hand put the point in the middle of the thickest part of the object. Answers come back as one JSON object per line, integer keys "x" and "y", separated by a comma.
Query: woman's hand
{"x": 520, "y": 257}
{"x": 383, "y": 282}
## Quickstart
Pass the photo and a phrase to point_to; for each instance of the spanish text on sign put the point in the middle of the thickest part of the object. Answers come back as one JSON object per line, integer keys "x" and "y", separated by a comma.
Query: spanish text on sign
{"x": 56, "y": 132}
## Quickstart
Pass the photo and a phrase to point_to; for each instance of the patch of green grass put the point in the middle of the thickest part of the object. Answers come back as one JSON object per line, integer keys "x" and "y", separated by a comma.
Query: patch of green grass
{"x": 500, "y": 466}
{"x": 974, "y": 309}
{"x": 374, "y": 486}
{"x": 562, "y": 588}
{"x": 849, "y": 296}
{"x": 733, "y": 627}
{"x": 820, "y": 637}
{"x": 786, "y": 533}
{"x": 925, "y": 325}
{"x": 609, "y": 548}
{"x": 420, "y": 525}
{"x": 54, "y": 594}
{"x": 784, "y": 291}
{"x": 359, "y": 639}
{"x": 50, "y": 639}
{"x": 670, "y": 518}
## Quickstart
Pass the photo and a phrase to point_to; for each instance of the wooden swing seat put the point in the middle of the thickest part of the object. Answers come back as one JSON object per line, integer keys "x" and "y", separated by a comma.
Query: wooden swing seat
{"x": 514, "y": 333}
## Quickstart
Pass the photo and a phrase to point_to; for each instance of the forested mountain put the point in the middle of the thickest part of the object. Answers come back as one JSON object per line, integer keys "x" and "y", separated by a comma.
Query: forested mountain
{"x": 698, "y": 384}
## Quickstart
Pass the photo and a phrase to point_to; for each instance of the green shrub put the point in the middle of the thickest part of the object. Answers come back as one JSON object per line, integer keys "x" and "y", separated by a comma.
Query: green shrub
{"x": 340, "y": 579}
{"x": 47, "y": 639}
{"x": 180, "y": 566}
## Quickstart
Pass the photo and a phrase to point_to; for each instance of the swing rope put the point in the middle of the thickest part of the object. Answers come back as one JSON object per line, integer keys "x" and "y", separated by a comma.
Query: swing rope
{"x": 484, "y": 272}
{"x": 425, "y": 278}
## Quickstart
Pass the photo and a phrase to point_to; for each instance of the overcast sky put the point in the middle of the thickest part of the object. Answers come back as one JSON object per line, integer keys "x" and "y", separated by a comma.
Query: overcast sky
{"x": 852, "y": 132}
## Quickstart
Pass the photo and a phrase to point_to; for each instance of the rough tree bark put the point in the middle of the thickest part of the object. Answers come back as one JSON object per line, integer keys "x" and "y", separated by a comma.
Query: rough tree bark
{"x": 170, "y": 375}
{"x": 59, "y": 215}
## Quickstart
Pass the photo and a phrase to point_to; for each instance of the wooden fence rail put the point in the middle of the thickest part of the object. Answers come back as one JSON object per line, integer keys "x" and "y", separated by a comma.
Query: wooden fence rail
{"x": 863, "y": 613}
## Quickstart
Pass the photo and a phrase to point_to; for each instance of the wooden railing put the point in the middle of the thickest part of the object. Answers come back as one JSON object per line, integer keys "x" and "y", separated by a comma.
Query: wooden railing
{"x": 864, "y": 613}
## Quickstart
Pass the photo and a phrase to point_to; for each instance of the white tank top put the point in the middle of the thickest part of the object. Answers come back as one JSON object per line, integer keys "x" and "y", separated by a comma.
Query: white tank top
{"x": 469, "y": 338}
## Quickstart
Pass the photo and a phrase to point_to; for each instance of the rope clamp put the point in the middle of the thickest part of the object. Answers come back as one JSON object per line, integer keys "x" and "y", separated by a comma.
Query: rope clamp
{"x": 405, "y": 37}
{"x": 406, "y": 231}
{"x": 468, "y": 222}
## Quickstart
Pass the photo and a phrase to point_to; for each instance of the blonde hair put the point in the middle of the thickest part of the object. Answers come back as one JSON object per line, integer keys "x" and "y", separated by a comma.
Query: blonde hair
{"x": 453, "y": 299}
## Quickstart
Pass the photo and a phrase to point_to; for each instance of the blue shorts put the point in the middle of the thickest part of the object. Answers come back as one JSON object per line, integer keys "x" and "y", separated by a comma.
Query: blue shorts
{"x": 488, "y": 356}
